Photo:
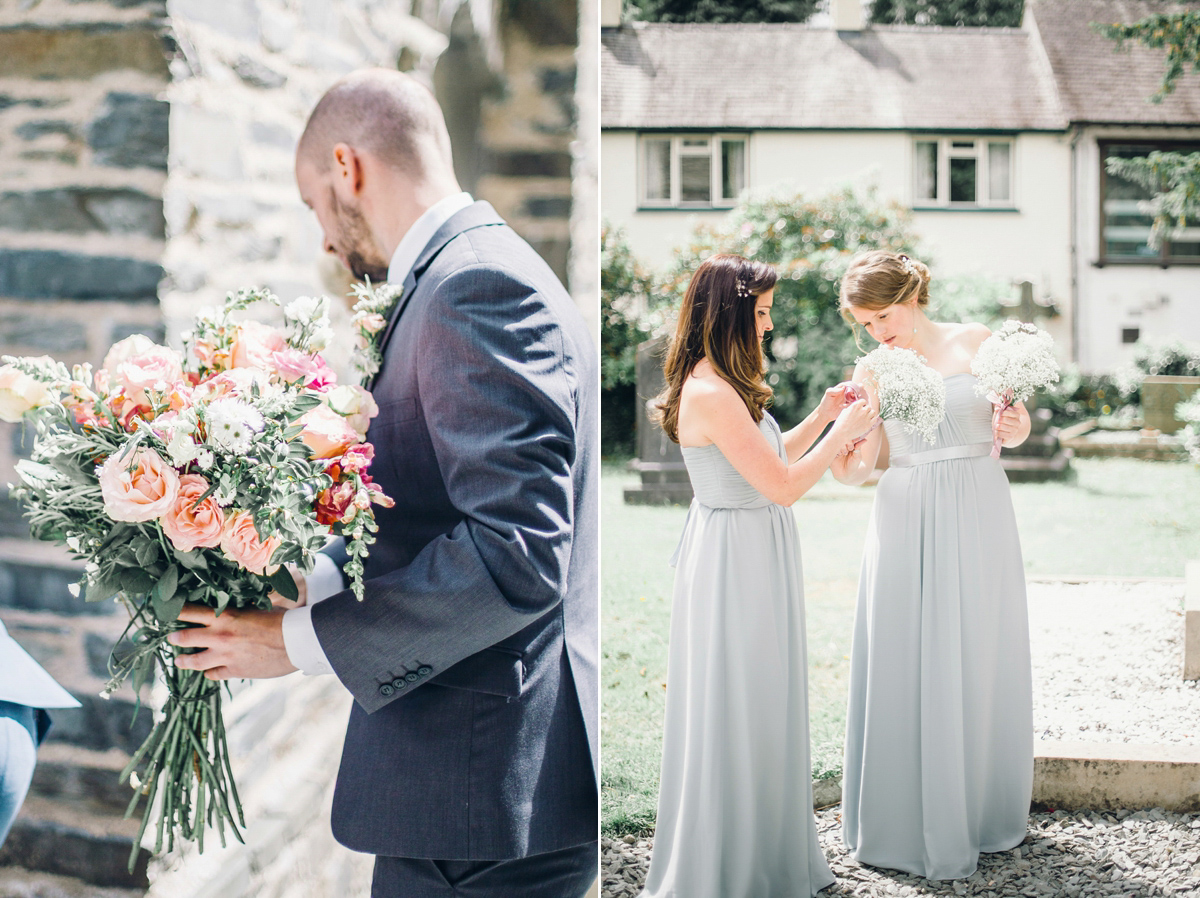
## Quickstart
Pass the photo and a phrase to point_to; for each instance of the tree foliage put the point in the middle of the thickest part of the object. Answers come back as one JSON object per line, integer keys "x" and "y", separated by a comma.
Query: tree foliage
{"x": 810, "y": 241}
{"x": 1178, "y": 32}
{"x": 996, "y": 13}
{"x": 724, "y": 11}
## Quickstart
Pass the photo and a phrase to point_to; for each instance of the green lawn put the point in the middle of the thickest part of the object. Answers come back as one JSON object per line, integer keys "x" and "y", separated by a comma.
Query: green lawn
{"x": 1117, "y": 517}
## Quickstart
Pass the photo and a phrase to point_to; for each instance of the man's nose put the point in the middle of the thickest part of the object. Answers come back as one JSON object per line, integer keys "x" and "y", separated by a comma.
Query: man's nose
{"x": 329, "y": 247}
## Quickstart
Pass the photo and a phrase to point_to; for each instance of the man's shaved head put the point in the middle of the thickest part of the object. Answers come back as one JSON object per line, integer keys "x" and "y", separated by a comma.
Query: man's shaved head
{"x": 383, "y": 112}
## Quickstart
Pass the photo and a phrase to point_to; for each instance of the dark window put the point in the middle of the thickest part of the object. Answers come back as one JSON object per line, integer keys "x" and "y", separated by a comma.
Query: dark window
{"x": 1124, "y": 223}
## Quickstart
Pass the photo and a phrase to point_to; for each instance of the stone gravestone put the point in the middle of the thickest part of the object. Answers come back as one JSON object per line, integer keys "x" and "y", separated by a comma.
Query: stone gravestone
{"x": 659, "y": 460}
{"x": 1041, "y": 457}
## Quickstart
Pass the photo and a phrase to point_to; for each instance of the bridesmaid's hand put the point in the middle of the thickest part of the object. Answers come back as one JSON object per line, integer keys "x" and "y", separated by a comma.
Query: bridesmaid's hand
{"x": 1007, "y": 425}
{"x": 835, "y": 399}
{"x": 854, "y": 421}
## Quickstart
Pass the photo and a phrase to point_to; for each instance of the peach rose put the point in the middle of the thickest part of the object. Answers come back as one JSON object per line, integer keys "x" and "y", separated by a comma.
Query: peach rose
{"x": 123, "y": 350}
{"x": 140, "y": 487}
{"x": 159, "y": 369}
{"x": 355, "y": 404}
{"x": 240, "y": 542}
{"x": 19, "y": 393}
{"x": 188, "y": 525}
{"x": 326, "y": 432}
{"x": 254, "y": 344}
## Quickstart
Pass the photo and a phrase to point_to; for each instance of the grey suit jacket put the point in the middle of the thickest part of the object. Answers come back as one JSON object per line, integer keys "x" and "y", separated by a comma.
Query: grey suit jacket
{"x": 473, "y": 657}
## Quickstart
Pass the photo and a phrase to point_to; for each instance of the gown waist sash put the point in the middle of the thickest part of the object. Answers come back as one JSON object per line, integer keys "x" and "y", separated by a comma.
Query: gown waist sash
{"x": 970, "y": 450}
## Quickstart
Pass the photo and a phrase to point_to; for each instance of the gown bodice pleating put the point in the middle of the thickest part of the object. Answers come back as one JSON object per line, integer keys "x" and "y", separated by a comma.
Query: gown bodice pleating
{"x": 716, "y": 483}
{"x": 968, "y": 422}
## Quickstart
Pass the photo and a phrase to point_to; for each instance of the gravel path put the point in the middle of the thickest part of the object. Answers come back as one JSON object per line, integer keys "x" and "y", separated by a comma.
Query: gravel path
{"x": 1080, "y": 855}
{"x": 1108, "y": 663}
{"x": 1107, "y": 667}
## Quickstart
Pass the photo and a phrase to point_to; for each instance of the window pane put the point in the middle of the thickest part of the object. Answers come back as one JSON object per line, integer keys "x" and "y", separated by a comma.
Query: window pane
{"x": 927, "y": 173}
{"x": 657, "y": 169}
{"x": 695, "y": 179}
{"x": 1126, "y": 227}
{"x": 999, "y": 171}
{"x": 1184, "y": 243}
{"x": 962, "y": 180}
{"x": 733, "y": 168}
{"x": 963, "y": 144}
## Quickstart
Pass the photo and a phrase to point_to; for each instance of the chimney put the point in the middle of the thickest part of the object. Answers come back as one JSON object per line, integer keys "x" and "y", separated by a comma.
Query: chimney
{"x": 610, "y": 13}
{"x": 847, "y": 15}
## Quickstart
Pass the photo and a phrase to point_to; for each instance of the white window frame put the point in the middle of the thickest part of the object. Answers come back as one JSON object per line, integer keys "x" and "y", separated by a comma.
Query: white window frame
{"x": 981, "y": 153}
{"x": 715, "y": 153}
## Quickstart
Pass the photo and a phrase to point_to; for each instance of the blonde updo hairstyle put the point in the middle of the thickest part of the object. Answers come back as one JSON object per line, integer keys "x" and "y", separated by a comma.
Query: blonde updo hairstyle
{"x": 878, "y": 279}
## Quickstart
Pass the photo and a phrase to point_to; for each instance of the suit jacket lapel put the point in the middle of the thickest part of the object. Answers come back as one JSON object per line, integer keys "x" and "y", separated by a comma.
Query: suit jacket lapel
{"x": 477, "y": 215}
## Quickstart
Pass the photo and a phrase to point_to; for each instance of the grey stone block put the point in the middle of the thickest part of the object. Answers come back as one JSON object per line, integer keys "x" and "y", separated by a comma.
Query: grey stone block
{"x": 530, "y": 164}
{"x": 46, "y": 335}
{"x": 258, "y": 74}
{"x": 238, "y": 18}
{"x": 81, "y": 209}
{"x": 155, "y": 7}
{"x": 81, "y": 52}
{"x": 66, "y": 850}
{"x": 102, "y": 724}
{"x": 36, "y": 587}
{"x": 273, "y": 135}
{"x": 98, "y": 648}
{"x": 41, "y": 127}
{"x": 548, "y": 206}
{"x": 131, "y": 132}
{"x": 122, "y": 329}
{"x": 550, "y": 23}
{"x": 558, "y": 81}
{"x": 52, "y": 274}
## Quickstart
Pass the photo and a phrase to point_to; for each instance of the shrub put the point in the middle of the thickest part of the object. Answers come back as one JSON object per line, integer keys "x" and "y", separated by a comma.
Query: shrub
{"x": 1077, "y": 397}
{"x": 627, "y": 319}
{"x": 1174, "y": 359}
{"x": 810, "y": 241}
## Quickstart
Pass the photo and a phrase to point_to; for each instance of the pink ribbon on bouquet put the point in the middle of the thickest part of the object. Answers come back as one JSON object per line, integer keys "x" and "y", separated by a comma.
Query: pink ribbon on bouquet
{"x": 852, "y": 392}
{"x": 1001, "y": 402}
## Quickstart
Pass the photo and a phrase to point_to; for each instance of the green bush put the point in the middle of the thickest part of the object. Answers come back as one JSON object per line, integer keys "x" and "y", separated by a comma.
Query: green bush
{"x": 1078, "y": 396}
{"x": 810, "y": 241}
{"x": 627, "y": 318}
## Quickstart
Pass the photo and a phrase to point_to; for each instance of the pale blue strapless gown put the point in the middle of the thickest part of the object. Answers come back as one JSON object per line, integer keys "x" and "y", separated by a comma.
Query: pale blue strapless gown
{"x": 939, "y": 731}
{"x": 735, "y": 816}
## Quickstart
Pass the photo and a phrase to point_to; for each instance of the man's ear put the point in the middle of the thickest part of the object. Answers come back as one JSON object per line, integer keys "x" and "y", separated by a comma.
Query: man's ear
{"x": 347, "y": 171}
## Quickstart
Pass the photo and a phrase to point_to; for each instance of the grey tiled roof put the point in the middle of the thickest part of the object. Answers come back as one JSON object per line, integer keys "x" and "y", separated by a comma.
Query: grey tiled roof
{"x": 793, "y": 76}
{"x": 1098, "y": 84}
{"x": 891, "y": 77}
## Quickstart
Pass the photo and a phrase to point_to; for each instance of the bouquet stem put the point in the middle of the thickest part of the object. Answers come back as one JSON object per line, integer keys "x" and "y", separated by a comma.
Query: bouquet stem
{"x": 185, "y": 763}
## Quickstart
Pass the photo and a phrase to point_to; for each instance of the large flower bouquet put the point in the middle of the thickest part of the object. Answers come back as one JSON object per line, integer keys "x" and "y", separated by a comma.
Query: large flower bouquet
{"x": 909, "y": 390}
{"x": 1011, "y": 365}
{"x": 195, "y": 477}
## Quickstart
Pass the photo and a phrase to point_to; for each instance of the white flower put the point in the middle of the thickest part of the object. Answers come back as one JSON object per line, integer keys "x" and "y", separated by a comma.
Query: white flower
{"x": 232, "y": 424}
{"x": 308, "y": 309}
{"x": 1015, "y": 362}
{"x": 909, "y": 390}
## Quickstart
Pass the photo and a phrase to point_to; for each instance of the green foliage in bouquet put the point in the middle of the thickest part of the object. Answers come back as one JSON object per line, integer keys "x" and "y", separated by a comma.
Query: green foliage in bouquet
{"x": 810, "y": 241}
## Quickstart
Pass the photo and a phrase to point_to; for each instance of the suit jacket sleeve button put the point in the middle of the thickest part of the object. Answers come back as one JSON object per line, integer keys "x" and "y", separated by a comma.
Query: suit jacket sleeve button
{"x": 399, "y": 683}
{"x": 411, "y": 676}
{"x": 386, "y": 689}
{"x": 424, "y": 671}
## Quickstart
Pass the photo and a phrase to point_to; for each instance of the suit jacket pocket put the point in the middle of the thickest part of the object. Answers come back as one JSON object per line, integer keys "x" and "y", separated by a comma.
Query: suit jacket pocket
{"x": 493, "y": 671}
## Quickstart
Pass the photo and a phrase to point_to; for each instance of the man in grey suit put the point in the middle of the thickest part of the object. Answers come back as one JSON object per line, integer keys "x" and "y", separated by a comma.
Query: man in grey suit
{"x": 470, "y": 759}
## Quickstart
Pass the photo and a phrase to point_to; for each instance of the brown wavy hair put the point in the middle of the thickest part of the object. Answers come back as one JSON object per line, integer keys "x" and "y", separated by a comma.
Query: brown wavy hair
{"x": 716, "y": 322}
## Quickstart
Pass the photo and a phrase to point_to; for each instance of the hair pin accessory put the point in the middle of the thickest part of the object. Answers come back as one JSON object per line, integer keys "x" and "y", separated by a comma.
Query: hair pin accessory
{"x": 907, "y": 263}
{"x": 742, "y": 290}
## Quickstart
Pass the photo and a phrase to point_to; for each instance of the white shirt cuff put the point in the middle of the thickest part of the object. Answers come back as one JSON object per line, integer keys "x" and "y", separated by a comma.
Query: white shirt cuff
{"x": 299, "y": 638}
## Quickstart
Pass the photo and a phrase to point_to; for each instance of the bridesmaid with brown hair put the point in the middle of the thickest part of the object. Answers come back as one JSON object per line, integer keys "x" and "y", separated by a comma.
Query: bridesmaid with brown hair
{"x": 735, "y": 815}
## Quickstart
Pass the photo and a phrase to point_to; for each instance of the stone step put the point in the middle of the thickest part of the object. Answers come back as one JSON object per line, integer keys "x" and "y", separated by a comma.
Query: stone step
{"x": 70, "y": 648}
{"x": 61, "y": 837}
{"x": 1035, "y": 469}
{"x": 35, "y": 576}
{"x": 90, "y": 779}
{"x": 17, "y": 882}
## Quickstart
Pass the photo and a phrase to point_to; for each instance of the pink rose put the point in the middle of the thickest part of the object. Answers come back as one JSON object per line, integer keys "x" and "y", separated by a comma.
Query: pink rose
{"x": 334, "y": 503}
{"x": 138, "y": 487}
{"x": 157, "y": 369}
{"x": 240, "y": 542}
{"x": 234, "y": 382}
{"x": 19, "y": 393}
{"x": 188, "y": 525}
{"x": 354, "y": 403}
{"x": 292, "y": 365}
{"x": 372, "y": 323}
{"x": 123, "y": 350}
{"x": 254, "y": 344}
{"x": 326, "y": 432}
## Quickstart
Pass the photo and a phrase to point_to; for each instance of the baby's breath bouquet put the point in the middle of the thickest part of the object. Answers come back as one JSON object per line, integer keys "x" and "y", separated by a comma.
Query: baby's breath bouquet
{"x": 194, "y": 477}
{"x": 1011, "y": 365}
{"x": 909, "y": 390}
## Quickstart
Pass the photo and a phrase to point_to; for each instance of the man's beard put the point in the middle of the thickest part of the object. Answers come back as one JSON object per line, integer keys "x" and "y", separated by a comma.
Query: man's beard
{"x": 354, "y": 239}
